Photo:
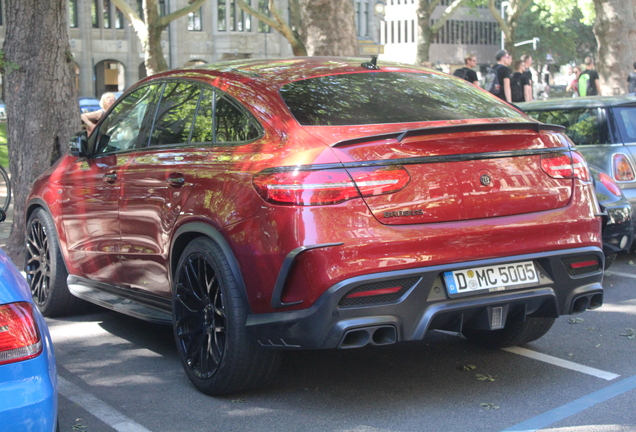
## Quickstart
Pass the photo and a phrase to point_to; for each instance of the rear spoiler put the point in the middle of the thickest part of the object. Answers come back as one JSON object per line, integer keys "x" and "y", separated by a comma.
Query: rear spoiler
{"x": 481, "y": 127}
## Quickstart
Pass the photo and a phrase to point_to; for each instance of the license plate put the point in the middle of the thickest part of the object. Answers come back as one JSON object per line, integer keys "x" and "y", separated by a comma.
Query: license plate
{"x": 491, "y": 278}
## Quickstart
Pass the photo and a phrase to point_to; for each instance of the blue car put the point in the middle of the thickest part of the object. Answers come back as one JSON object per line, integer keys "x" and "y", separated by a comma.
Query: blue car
{"x": 28, "y": 375}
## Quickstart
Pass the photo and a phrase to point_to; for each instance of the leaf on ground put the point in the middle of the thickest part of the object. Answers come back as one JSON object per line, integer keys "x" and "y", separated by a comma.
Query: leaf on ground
{"x": 575, "y": 320}
{"x": 485, "y": 377}
{"x": 629, "y": 333}
{"x": 468, "y": 367}
{"x": 79, "y": 427}
{"x": 489, "y": 405}
{"x": 630, "y": 262}
{"x": 241, "y": 400}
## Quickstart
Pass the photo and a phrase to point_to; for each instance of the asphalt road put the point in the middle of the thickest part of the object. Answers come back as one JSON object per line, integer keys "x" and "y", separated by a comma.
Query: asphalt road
{"x": 118, "y": 373}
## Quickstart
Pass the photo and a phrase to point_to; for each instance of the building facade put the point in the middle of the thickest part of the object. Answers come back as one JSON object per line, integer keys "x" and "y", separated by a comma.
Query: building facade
{"x": 109, "y": 57}
{"x": 469, "y": 31}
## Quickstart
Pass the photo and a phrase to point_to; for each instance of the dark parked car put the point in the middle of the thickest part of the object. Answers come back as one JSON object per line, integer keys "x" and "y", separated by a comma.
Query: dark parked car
{"x": 316, "y": 203}
{"x": 618, "y": 223}
{"x": 603, "y": 129}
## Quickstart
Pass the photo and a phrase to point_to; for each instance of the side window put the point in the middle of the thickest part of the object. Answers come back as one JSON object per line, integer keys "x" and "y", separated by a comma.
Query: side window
{"x": 626, "y": 118}
{"x": 232, "y": 124}
{"x": 203, "y": 124}
{"x": 175, "y": 114}
{"x": 121, "y": 129}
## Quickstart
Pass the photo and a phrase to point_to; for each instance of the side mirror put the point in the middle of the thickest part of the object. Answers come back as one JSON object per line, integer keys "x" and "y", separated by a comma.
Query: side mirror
{"x": 78, "y": 145}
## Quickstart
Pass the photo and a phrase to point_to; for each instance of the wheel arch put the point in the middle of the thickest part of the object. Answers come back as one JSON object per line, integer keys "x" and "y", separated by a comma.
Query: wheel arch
{"x": 192, "y": 230}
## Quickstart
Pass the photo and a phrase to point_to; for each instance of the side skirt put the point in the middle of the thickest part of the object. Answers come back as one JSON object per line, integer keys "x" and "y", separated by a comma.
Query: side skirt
{"x": 147, "y": 307}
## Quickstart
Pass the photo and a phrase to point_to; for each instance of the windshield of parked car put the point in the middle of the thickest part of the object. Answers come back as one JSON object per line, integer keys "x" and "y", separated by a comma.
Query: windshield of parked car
{"x": 388, "y": 97}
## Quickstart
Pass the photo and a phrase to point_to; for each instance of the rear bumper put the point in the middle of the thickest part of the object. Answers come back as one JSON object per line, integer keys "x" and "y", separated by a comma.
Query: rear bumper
{"x": 423, "y": 304}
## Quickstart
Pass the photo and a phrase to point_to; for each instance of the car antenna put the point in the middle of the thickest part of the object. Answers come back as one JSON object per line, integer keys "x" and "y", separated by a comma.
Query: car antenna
{"x": 372, "y": 65}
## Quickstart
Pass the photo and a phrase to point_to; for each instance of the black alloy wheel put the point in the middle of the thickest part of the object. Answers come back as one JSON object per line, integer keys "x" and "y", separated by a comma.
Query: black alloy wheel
{"x": 45, "y": 269}
{"x": 209, "y": 315}
{"x": 200, "y": 321}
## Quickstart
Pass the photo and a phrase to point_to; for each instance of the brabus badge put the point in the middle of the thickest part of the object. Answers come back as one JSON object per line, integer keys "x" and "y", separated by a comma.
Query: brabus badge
{"x": 485, "y": 180}
{"x": 390, "y": 214}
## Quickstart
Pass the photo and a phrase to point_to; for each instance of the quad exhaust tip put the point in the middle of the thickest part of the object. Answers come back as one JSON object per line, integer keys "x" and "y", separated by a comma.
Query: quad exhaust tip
{"x": 585, "y": 302}
{"x": 376, "y": 335}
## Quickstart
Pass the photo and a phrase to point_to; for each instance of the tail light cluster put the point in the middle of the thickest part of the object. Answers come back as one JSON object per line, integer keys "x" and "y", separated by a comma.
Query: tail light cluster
{"x": 309, "y": 187}
{"x": 610, "y": 184}
{"x": 623, "y": 170}
{"x": 565, "y": 165}
{"x": 19, "y": 335}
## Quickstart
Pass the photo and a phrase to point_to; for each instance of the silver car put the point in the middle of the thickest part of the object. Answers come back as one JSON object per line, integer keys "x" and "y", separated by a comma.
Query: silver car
{"x": 603, "y": 129}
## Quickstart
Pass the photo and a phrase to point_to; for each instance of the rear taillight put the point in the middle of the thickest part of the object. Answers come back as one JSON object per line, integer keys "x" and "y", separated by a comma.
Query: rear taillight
{"x": 610, "y": 184}
{"x": 565, "y": 165}
{"x": 19, "y": 335}
{"x": 623, "y": 170}
{"x": 330, "y": 186}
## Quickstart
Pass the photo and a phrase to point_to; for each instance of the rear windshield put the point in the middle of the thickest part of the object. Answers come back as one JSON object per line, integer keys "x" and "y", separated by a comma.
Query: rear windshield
{"x": 388, "y": 97}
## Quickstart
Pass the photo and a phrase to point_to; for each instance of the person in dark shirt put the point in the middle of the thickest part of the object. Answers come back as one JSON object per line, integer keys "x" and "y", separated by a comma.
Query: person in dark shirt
{"x": 504, "y": 73}
{"x": 520, "y": 88}
{"x": 589, "y": 83}
{"x": 527, "y": 62}
{"x": 467, "y": 72}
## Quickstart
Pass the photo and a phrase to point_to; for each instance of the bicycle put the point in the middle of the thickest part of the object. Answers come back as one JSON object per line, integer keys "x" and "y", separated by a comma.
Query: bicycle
{"x": 5, "y": 193}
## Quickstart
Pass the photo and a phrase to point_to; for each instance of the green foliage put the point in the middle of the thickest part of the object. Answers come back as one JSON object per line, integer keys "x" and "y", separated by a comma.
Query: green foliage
{"x": 559, "y": 11}
{"x": 566, "y": 40}
{"x": 7, "y": 66}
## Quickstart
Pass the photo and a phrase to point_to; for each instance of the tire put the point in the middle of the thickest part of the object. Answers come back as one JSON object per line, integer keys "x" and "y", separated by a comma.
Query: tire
{"x": 609, "y": 259}
{"x": 217, "y": 353}
{"x": 45, "y": 269}
{"x": 513, "y": 334}
{"x": 5, "y": 190}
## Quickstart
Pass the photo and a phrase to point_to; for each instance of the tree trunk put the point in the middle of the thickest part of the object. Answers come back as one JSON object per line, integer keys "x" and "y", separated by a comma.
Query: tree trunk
{"x": 424, "y": 35}
{"x": 328, "y": 27}
{"x": 615, "y": 31}
{"x": 41, "y": 98}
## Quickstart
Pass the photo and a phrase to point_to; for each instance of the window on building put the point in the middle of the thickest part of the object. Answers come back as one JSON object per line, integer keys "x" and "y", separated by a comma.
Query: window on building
{"x": 163, "y": 8}
{"x": 106, "y": 13}
{"x": 1, "y": 14}
{"x": 119, "y": 19}
{"x": 194, "y": 20}
{"x": 221, "y": 16}
{"x": 232, "y": 15}
{"x": 94, "y": 14}
{"x": 72, "y": 13}
{"x": 140, "y": 9}
{"x": 263, "y": 8}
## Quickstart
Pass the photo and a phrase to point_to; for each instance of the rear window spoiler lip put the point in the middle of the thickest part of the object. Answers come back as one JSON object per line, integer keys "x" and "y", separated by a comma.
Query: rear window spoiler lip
{"x": 481, "y": 127}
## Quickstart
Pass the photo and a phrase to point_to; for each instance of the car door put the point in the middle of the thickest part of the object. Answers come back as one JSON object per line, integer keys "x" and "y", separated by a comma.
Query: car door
{"x": 91, "y": 191}
{"x": 156, "y": 185}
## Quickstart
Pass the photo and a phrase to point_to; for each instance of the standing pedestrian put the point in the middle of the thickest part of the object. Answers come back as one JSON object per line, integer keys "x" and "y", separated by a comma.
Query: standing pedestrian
{"x": 573, "y": 84}
{"x": 589, "y": 83}
{"x": 527, "y": 63}
{"x": 503, "y": 75}
{"x": 631, "y": 80}
{"x": 467, "y": 72}
{"x": 520, "y": 89}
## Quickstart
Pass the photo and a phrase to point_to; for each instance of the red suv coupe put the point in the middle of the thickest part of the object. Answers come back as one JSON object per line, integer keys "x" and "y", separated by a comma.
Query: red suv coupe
{"x": 313, "y": 203}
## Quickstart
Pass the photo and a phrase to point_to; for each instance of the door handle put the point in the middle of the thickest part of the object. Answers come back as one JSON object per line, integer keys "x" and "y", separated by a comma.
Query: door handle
{"x": 110, "y": 177}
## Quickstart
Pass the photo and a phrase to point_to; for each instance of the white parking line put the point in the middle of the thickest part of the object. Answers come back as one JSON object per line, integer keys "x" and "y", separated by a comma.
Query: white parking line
{"x": 627, "y": 275}
{"x": 562, "y": 363}
{"x": 98, "y": 408}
